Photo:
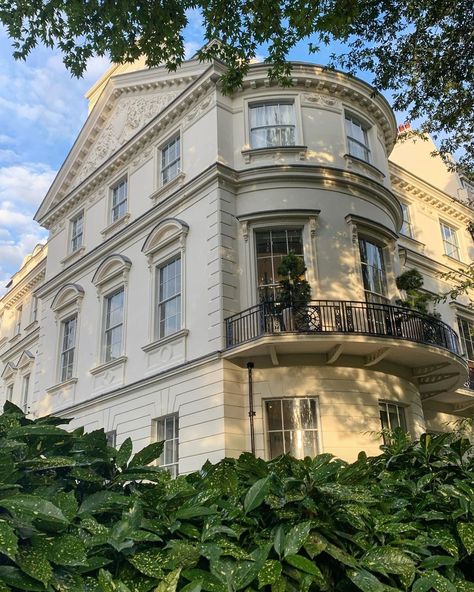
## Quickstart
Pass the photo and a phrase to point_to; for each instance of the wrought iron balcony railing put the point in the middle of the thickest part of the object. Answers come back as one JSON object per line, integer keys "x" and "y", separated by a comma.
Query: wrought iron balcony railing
{"x": 339, "y": 316}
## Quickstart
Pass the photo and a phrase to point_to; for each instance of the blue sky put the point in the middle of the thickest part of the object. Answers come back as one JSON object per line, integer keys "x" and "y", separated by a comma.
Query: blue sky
{"x": 42, "y": 109}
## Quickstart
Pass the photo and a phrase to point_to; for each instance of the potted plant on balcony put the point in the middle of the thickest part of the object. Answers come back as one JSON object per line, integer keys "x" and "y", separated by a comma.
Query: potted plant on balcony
{"x": 416, "y": 299}
{"x": 294, "y": 292}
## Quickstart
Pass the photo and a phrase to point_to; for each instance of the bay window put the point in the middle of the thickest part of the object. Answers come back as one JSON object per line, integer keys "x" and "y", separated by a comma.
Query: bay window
{"x": 271, "y": 246}
{"x": 357, "y": 138}
{"x": 272, "y": 124}
{"x": 373, "y": 271}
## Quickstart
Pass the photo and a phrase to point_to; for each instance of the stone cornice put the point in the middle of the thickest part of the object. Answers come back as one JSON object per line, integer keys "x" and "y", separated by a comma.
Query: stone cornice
{"x": 428, "y": 263}
{"x": 25, "y": 285}
{"x": 337, "y": 85}
{"x": 404, "y": 182}
{"x": 173, "y": 112}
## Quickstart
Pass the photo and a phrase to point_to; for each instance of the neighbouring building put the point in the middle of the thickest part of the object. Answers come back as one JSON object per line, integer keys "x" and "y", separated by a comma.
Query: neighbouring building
{"x": 155, "y": 306}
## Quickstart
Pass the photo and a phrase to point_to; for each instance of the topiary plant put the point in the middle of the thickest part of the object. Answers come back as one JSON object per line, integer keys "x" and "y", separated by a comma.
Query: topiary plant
{"x": 295, "y": 291}
{"x": 411, "y": 282}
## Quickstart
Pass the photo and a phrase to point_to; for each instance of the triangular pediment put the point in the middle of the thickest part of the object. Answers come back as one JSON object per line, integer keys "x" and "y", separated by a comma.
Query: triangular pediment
{"x": 26, "y": 359}
{"x": 128, "y": 101}
{"x": 9, "y": 371}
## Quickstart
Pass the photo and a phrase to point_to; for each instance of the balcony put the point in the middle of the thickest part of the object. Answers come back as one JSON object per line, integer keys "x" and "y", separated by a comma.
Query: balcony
{"x": 339, "y": 316}
{"x": 362, "y": 334}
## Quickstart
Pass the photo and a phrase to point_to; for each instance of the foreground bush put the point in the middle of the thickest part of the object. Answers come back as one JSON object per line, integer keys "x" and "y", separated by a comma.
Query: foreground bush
{"x": 79, "y": 516}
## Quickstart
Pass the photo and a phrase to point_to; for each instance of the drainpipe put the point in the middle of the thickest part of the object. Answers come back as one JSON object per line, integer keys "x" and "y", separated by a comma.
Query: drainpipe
{"x": 251, "y": 410}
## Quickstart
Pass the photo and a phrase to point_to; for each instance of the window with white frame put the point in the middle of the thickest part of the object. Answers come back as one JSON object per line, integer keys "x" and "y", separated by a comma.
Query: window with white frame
{"x": 272, "y": 124}
{"x": 466, "y": 332}
{"x": 10, "y": 392}
{"x": 19, "y": 314}
{"x": 357, "y": 138}
{"x": 292, "y": 426}
{"x": 450, "y": 240}
{"x": 170, "y": 160}
{"x": 373, "y": 270}
{"x": 167, "y": 431}
{"x": 119, "y": 199}
{"x": 25, "y": 387}
{"x": 68, "y": 348}
{"x": 34, "y": 308}
{"x": 113, "y": 333}
{"x": 392, "y": 415}
{"x": 407, "y": 228}
{"x": 77, "y": 232}
{"x": 168, "y": 317}
{"x": 271, "y": 246}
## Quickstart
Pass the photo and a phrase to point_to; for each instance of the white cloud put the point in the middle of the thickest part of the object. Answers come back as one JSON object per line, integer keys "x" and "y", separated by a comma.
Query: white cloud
{"x": 26, "y": 183}
{"x": 5, "y": 139}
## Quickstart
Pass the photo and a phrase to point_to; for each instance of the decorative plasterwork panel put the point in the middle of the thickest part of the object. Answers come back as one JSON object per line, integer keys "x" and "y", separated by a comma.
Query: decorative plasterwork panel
{"x": 320, "y": 100}
{"x": 128, "y": 116}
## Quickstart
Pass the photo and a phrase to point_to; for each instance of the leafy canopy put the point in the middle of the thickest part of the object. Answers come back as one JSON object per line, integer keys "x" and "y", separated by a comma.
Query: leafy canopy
{"x": 79, "y": 516}
{"x": 422, "y": 51}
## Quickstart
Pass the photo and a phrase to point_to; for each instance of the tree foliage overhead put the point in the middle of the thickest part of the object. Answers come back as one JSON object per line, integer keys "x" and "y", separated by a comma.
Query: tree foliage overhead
{"x": 79, "y": 516}
{"x": 422, "y": 51}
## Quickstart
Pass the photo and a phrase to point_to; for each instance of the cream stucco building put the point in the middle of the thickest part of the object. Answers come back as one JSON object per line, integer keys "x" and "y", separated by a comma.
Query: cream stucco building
{"x": 151, "y": 315}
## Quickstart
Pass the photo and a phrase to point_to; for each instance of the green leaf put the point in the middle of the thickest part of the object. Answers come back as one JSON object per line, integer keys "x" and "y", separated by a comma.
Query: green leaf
{"x": 170, "y": 582}
{"x": 35, "y": 564}
{"x": 269, "y": 573}
{"x": 309, "y": 567}
{"x": 147, "y": 455}
{"x": 365, "y": 581}
{"x": 124, "y": 453}
{"x": 256, "y": 494}
{"x": 38, "y": 429}
{"x": 149, "y": 562}
{"x": 8, "y": 540}
{"x": 192, "y": 587}
{"x": 206, "y": 580}
{"x": 279, "y": 540}
{"x": 436, "y": 561}
{"x": 67, "y": 550}
{"x": 433, "y": 580}
{"x": 35, "y": 509}
{"x": 296, "y": 538}
{"x": 67, "y": 503}
{"x": 15, "y": 578}
{"x": 466, "y": 534}
{"x": 102, "y": 501}
{"x": 194, "y": 512}
{"x": 389, "y": 560}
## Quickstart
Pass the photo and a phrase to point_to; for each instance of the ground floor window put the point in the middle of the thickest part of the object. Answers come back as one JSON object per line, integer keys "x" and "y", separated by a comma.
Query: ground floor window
{"x": 392, "y": 416}
{"x": 292, "y": 426}
{"x": 167, "y": 431}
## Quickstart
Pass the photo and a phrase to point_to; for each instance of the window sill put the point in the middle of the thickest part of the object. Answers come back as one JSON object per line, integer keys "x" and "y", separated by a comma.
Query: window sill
{"x": 123, "y": 221}
{"x": 370, "y": 168}
{"x": 61, "y": 385}
{"x": 31, "y": 326}
{"x": 159, "y": 342}
{"x": 106, "y": 365}
{"x": 454, "y": 261}
{"x": 274, "y": 151}
{"x": 15, "y": 338}
{"x": 73, "y": 256}
{"x": 174, "y": 183}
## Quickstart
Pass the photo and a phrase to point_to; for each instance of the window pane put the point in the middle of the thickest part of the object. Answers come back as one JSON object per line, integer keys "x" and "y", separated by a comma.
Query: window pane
{"x": 272, "y": 125}
{"x": 274, "y": 417}
{"x": 169, "y": 298}
{"x": 291, "y": 426}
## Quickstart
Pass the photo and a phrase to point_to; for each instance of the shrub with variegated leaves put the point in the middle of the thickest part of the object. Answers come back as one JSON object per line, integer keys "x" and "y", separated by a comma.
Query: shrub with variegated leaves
{"x": 79, "y": 516}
